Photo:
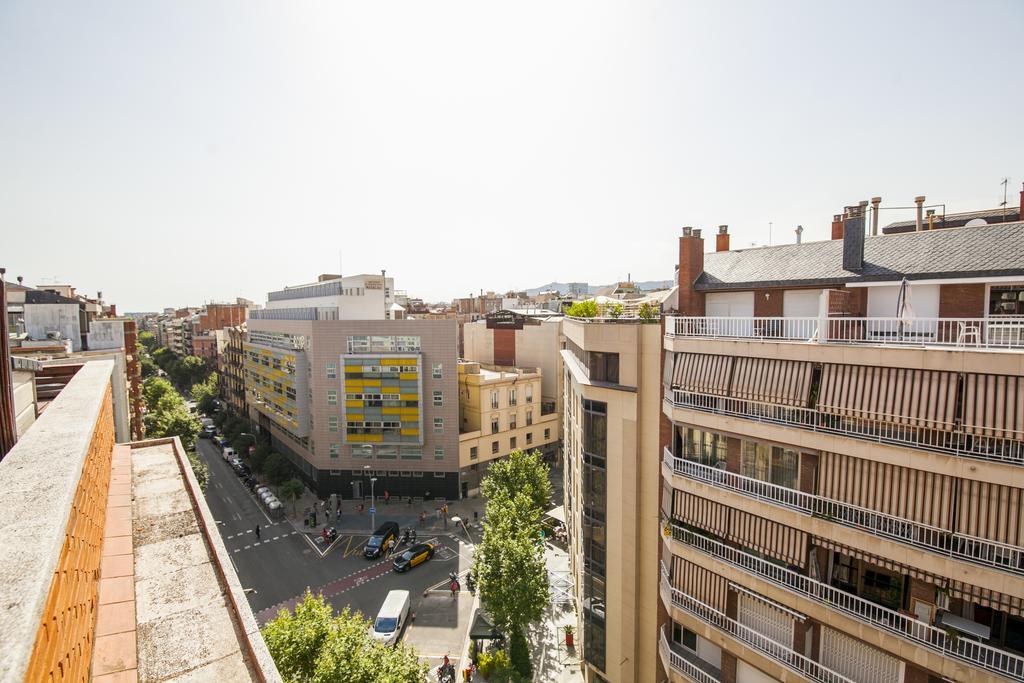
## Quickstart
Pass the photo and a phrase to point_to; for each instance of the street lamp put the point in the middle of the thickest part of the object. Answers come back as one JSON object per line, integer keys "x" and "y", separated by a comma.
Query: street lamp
{"x": 373, "y": 500}
{"x": 458, "y": 520}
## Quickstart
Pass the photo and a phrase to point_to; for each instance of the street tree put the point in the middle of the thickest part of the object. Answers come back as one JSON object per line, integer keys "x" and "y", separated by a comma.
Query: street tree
{"x": 292, "y": 490}
{"x": 521, "y": 472}
{"x": 311, "y": 645}
{"x": 148, "y": 340}
{"x": 276, "y": 468}
{"x": 204, "y": 393}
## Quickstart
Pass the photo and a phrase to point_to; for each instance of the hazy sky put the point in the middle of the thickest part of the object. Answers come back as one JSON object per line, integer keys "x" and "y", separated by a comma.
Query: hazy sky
{"x": 171, "y": 153}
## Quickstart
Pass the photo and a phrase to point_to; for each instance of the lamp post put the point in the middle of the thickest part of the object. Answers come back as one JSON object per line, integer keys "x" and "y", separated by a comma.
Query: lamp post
{"x": 373, "y": 500}
{"x": 460, "y": 522}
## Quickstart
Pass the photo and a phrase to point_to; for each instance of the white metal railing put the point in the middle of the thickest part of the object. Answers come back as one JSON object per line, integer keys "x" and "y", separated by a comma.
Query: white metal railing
{"x": 994, "y": 332}
{"x": 789, "y": 658}
{"x": 681, "y": 664}
{"x": 919, "y": 632}
{"x": 1003, "y": 447}
{"x": 947, "y": 543}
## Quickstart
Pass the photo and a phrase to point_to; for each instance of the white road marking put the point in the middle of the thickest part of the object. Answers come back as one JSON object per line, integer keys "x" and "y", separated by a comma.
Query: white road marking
{"x": 246, "y": 547}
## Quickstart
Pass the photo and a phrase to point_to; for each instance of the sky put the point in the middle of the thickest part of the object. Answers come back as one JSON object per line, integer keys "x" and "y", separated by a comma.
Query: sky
{"x": 175, "y": 153}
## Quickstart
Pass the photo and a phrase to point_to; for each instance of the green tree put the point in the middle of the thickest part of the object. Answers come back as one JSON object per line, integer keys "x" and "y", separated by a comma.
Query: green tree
{"x": 509, "y": 567}
{"x": 163, "y": 357}
{"x": 155, "y": 388}
{"x": 613, "y": 310}
{"x": 311, "y": 645}
{"x": 171, "y": 418}
{"x": 292, "y": 490}
{"x": 204, "y": 393}
{"x": 259, "y": 457}
{"x": 583, "y": 309}
{"x": 199, "y": 468}
{"x": 521, "y": 472}
{"x": 648, "y": 311}
{"x": 276, "y": 468}
{"x": 148, "y": 340}
{"x": 148, "y": 367}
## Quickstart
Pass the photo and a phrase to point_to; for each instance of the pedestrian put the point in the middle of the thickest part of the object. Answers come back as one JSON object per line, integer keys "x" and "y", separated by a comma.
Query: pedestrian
{"x": 426, "y": 495}
{"x": 387, "y": 497}
{"x": 339, "y": 511}
{"x": 257, "y": 532}
{"x": 455, "y": 588}
{"x": 423, "y": 518}
{"x": 410, "y": 501}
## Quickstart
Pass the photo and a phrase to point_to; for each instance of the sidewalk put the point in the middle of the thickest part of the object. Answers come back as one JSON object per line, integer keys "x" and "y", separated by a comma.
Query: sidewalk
{"x": 553, "y": 662}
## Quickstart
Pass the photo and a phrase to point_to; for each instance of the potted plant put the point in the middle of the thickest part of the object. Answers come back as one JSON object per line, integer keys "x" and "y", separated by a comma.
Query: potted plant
{"x": 569, "y": 631}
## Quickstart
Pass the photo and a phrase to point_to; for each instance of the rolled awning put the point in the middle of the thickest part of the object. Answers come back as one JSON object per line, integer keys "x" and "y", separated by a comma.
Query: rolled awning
{"x": 770, "y": 380}
{"x": 994, "y": 406}
{"x": 702, "y": 373}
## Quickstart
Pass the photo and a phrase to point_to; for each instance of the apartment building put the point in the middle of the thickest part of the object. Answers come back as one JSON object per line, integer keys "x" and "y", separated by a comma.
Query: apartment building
{"x": 611, "y": 483}
{"x": 843, "y": 458}
{"x": 500, "y": 410}
{"x": 231, "y": 372}
{"x": 346, "y": 398}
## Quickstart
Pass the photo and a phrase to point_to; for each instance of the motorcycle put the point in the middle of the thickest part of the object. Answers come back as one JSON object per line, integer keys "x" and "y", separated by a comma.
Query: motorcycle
{"x": 446, "y": 673}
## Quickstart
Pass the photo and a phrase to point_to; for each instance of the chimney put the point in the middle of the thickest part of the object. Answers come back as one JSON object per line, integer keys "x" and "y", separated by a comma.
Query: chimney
{"x": 1020, "y": 211}
{"x": 691, "y": 265}
{"x": 875, "y": 201}
{"x": 919, "y": 200}
{"x": 853, "y": 238}
{"x": 799, "y": 232}
{"x": 837, "y": 227}
{"x": 931, "y": 219}
{"x": 722, "y": 238}
{"x": 22, "y": 279}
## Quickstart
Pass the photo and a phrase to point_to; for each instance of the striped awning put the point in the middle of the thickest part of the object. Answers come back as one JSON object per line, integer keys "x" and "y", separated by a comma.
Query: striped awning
{"x": 917, "y": 495}
{"x": 917, "y": 398}
{"x": 702, "y": 373}
{"x": 770, "y": 380}
{"x": 987, "y": 598}
{"x": 991, "y": 511}
{"x": 750, "y": 531}
{"x": 994, "y": 405}
{"x": 700, "y": 583}
{"x": 883, "y": 562}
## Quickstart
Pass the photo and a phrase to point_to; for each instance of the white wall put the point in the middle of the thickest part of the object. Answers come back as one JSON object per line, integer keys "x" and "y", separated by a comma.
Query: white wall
{"x": 729, "y": 304}
{"x": 105, "y": 334}
{"x": 43, "y": 318}
{"x": 748, "y": 674}
{"x": 800, "y": 303}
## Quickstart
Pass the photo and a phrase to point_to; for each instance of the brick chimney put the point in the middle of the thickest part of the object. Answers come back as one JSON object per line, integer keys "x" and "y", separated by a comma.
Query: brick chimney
{"x": 837, "y": 227}
{"x": 1020, "y": 211}
{"x": 691, "y": 265}
{"x": 722, "y": 238}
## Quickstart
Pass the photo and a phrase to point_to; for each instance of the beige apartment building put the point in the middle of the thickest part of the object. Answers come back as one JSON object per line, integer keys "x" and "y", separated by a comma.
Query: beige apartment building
{"x": 844, "y": 469}
{"x": 611, "y": 484}
{"x": 500, "y": 410}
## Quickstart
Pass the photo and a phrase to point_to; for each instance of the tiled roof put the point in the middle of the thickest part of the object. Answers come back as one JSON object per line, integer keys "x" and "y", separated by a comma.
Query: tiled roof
{"x": 985, "y": 251}
{"x": 964, "y": 216}
{"x": 43, "y": 296}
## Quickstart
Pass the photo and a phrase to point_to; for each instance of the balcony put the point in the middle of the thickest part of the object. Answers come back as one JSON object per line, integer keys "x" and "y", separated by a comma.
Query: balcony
{"x": 947, "y": 543}
{"x": 962, "y": 441}
{"x": 685, "y": 664}
{"x": 767, "y": 647}
{"x": 996, "y": 332}
{"x": 918, "y": 632}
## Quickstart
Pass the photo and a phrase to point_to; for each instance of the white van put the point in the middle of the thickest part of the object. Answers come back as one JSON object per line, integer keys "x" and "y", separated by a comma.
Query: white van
{"x": 229, "y": 453}
{"x": 391, "y": 618}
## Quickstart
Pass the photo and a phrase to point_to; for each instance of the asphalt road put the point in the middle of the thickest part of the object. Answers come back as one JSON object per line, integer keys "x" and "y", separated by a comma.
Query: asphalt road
{"x": 282, "y": 563}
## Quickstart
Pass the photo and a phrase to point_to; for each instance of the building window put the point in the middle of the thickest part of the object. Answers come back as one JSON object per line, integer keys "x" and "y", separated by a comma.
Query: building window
{"x": 707, "y": 448}
{"x": 594, "y": 496}
{"x": 410, "y": 453}
{"x": 494, "y": 424}
{"x": 439, "y": 475}
{"x": 332, "y": 371}
{"x": 435, "y": 371}
{"x": 512, "y": 422}
{"x": 529, "y": 393}
{"x": 332, "y": 423}
{"x": 438, "y": 424}
{"x": 472, "y": 453}
{"x": 547, "y": 434}
{"x": 511, "y": 397}
{"x": 334, "y": 450}
{"x": 512, "y": 443}
{"x": 780, "y": 466}
{"x": 529, "y": 438}
{"x": 494, "y": 447}
{"x": 438, "y": 452}
{"x": 604, "y": 367}
{"x": 529, "y": 418}
{"x": 494, "y": 400}
{"x": 438, "y": 398}
{"x": 332, "y": 397}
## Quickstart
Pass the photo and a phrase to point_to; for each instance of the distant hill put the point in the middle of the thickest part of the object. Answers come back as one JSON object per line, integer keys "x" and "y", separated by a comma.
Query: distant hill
{"x": 565, "y": 287}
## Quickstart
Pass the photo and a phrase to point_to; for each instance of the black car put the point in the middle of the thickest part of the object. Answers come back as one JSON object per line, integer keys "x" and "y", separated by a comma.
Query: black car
{"x": 387, "y": 533}
{"x": 209, "y": 431}
{"x": 242, "y": 470}
{"x": 418, "y": 554}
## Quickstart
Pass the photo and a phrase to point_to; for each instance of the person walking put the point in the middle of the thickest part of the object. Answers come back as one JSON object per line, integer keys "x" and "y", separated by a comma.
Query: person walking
{"x": 387, "y": 497}
{"x": 257, "y": 532}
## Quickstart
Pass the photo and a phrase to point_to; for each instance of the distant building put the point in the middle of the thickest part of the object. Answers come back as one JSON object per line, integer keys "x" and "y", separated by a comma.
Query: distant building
{"x": 231, "y": 372}
{"x": 500, "y": 410}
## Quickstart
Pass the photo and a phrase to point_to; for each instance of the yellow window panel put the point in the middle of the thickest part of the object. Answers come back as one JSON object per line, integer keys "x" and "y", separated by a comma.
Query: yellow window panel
{"x": 412, "y": 431}
{"x": 392, "y": 411}
{"x": 353, "y": 416}
{"x": 409, "y": 411}
{"x": 408, "y": 375}
{"x": 353, "y": 404}
{"x": 409, "y": 397}
{"x": 371, "y": 382}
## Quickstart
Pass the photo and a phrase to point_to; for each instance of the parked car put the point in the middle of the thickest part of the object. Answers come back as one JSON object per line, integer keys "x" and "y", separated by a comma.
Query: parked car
{"x": 260, "y": 489}
{"x": 221, "y": 441}
{"x": 209, "y": 431}
{"x": 274, "y": 505}
{"x": 388, "y": 531}
{"x": 266, "y": 495}
{"x": 417, "y": 554}
{"x": 391, "y": 618}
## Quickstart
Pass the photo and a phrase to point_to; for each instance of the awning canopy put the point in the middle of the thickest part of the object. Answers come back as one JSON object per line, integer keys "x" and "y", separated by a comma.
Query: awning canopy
{"x": 482, "y": 628}
{"x": 557, "y": 513}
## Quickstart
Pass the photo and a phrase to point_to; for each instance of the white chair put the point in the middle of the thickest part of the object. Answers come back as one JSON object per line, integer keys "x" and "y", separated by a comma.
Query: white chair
{"x": 968, "y": 331}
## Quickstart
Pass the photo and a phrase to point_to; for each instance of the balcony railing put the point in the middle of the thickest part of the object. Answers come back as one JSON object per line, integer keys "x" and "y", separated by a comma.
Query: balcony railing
{"x": 960, "y": 442}
{"x": 996, "y": 332}
{"x": 923, "y": 634}
{"x": 947, "y": 543}
{"x": 681, "y": 664}
{"x": 808, "y": 668}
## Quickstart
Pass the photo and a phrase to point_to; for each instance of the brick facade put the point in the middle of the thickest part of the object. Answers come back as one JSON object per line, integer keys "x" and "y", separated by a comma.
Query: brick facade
{"x": 691, "y": 265}
{"x": 767, "y": 303}
{"x": 962, "y": 301}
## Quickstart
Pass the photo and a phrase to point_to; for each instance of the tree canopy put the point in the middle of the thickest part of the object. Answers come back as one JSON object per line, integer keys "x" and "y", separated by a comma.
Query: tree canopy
{"x": 311, "y": 645}
{"x": 583, "y": 309}
{"x": 521, "y": 472}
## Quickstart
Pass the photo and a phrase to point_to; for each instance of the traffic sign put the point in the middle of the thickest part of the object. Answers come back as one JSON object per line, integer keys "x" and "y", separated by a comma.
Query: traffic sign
{"x": 373, "y": 510}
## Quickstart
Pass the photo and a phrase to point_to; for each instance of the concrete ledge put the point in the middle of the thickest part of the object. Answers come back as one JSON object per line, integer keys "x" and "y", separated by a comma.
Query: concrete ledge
{"x": 38, "y": 481}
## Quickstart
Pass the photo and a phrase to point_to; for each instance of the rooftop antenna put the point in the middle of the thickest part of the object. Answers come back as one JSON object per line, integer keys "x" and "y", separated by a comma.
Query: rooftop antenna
{"x": 769, "y": 233}
{"x": 1003, "y": 183}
